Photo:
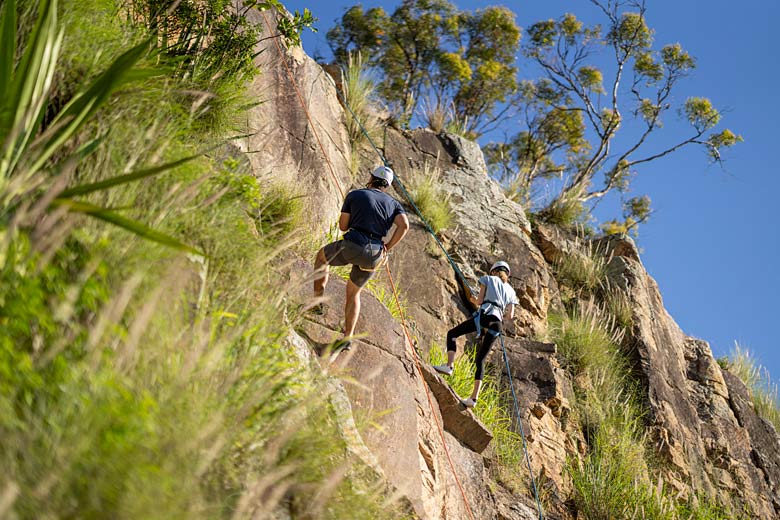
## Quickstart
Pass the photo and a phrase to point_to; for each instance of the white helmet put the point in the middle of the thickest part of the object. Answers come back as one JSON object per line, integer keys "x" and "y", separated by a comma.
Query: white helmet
{"x": 501, "y": 265}
{"x": 383, "y": 172}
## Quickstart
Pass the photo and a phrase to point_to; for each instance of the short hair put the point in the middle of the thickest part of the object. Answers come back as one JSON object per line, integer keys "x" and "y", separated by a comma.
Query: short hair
{"x": 376, "y": 182}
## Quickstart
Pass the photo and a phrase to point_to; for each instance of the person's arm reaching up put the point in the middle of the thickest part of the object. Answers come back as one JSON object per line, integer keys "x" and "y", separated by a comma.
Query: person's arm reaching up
{"x": 401, "y": 227}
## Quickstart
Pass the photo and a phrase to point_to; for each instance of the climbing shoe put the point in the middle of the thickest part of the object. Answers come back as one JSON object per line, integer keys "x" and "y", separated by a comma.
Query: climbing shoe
{"x": 443, "y": 369}
{"x": 468, "y": 403}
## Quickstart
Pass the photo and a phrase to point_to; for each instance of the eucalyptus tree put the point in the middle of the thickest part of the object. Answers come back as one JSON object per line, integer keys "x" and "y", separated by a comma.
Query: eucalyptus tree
{"x": 427, "y": 51}
{"x": 589, "y": 118}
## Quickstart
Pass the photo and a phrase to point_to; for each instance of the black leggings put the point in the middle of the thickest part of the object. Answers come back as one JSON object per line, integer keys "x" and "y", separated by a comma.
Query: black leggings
{"x": 485, "y": 322}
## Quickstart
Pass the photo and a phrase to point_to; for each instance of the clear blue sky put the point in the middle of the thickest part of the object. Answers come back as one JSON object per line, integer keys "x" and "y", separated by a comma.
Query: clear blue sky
{"x": 712, "y": 242}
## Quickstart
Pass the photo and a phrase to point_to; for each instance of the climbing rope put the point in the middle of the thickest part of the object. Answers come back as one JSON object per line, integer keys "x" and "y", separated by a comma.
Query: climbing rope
{"x": 303, "y": 105}
{"x": 522, "y": 430}
{"x": 467, "y": 289}
{"x": 427, "y": 391}
{"x": 387, "y": 267}
{"x": 464, "y": 283}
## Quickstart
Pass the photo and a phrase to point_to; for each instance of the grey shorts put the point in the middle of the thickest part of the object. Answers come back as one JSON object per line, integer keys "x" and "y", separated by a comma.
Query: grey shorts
{"x": 344, "y": 252}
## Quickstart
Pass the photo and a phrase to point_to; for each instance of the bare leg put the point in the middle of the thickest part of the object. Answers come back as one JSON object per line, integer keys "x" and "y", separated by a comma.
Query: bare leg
{"x": 477, "y": 386}
{"x": 451, "y": 358}
{"x": 320, "y": 272}
{"x": 351, "y": 308}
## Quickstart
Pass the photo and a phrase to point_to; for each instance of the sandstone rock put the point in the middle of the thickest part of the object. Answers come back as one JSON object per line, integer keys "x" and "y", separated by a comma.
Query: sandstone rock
{"x": 458, "y": 420}
{"x": 384, "y": 388}
{"x": 538, "y": 379}
{"x": 486, "y": 226}
{"x": 700, "y": 417}
{"x": 285, "y": 146}
{"x": 693, "y": 416}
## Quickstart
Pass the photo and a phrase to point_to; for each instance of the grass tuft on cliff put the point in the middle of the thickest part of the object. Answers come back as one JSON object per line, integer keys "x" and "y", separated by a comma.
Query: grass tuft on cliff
{"x": 432, "y": 201}
{"x": 763, "y": 391}
{"x": 615, "y": 477}
{"x": 359, "y": 90}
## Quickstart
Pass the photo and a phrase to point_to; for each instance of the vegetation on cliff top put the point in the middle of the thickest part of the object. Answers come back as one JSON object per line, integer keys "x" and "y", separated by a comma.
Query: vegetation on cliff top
{"x": 457, "y": 68}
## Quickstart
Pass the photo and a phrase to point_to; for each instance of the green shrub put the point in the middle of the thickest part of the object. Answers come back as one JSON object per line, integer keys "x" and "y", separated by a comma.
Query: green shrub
{"x": 583, "y": 269}
{"x": 434, "y": 114}
{"x": 613, "y": 479}
{"x": 566, "y": 213}
{"x": 609, "y": 480}
{"x": 587, "y": 340}
{"x": 763, "y": 391}
{"x": 432, "y": 201}
{"x": 137, "y": 382}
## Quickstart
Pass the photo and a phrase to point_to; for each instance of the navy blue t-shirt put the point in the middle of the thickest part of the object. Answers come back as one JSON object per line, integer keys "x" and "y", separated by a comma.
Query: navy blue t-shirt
{"x": 371, "y": 212}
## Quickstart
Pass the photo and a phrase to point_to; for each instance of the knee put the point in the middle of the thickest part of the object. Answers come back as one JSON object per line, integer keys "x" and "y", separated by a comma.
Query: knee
{"x": 353, "y": 291}
{"x": 451, "y": 346}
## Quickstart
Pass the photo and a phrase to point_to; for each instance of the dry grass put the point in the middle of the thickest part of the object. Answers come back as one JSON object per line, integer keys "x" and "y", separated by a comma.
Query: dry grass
{"x": 763, "y": 390}
{"x": 432, "y": 201}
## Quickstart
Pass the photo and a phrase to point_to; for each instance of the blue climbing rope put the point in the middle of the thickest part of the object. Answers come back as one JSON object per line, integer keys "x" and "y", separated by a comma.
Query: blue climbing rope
{"x": 522, "y": 430}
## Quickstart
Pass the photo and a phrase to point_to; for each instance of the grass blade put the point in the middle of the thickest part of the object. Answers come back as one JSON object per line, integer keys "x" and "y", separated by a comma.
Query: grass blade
{"x": 7, "y": 45}
{"x": 124, "y": 179}
{"x": 22, "y": 109}
{"x": 83, "y": 106}
{"x": 133, "y": 226}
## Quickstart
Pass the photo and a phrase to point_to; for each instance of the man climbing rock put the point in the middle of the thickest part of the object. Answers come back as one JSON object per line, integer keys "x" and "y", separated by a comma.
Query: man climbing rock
{"x": 367, "y": 216}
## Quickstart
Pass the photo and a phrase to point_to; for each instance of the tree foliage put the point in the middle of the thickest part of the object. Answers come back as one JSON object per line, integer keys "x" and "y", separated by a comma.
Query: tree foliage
{"x": 213, "y": 38}
{"x": 430, "y": 53}
{"x": 588, "y": 121}
{"x": 570, "y": 117}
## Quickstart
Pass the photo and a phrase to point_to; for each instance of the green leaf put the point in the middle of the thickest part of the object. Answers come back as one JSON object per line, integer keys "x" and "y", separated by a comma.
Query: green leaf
{"x": 124, "y": 179}
{"x": 84, "y": 105}
{"x": 22, "y": 109}
{"x": 7, "y": 45}
{"x": 133, "y": 226}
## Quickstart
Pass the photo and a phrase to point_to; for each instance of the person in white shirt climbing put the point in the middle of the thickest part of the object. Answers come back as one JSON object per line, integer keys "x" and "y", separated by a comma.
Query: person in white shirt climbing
{"x": 496, "y": 299}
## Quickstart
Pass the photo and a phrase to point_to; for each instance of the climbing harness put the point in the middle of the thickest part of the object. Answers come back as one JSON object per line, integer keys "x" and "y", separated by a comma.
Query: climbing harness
{"x": 462, "y": 279}
{"x": 490, "y": 331}
{"x": 468, "y": 291}
{"x": 378, "y": 267}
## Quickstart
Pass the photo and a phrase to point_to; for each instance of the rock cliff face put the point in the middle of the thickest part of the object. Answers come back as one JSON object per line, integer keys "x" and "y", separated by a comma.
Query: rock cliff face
{"x": 298, "y": 137}
{"x": 701, "y": 419}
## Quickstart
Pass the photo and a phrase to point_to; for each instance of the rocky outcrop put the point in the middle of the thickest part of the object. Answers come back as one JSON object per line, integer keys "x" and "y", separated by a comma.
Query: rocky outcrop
{"x": 385, "y": 389}
{"x": 287, "y": 140}
{"x": 486, "y": 227}
{"x": 458, "y": 420}
{"x": 709, "y": 436}
{"x": 700, "y": 417}
{"x": 543, "y": 394}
